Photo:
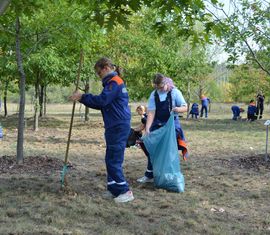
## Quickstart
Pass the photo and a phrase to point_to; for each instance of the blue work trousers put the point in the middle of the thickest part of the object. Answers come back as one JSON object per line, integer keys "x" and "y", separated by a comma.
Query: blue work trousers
{"x": 116, "y": 139}
{"x": 204, "y": 108}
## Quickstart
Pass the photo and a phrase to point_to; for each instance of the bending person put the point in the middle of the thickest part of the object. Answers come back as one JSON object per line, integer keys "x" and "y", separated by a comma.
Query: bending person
{"x": 164, "y": 99}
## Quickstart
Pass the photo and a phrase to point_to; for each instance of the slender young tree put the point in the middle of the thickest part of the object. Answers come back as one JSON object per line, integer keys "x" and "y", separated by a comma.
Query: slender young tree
{"x": 20, "y": 137}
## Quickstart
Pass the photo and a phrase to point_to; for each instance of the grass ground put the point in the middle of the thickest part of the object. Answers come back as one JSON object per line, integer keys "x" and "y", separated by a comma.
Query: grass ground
{"x": 224, "y": 194}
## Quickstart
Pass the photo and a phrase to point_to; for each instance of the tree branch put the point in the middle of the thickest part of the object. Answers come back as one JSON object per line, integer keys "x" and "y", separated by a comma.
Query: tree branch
{"x": 3, "y": 6}
{"x": 242, "y": 37}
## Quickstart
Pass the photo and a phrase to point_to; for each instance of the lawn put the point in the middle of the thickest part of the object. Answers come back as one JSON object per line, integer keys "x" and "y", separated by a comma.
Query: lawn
{"x": 227, "y": 180}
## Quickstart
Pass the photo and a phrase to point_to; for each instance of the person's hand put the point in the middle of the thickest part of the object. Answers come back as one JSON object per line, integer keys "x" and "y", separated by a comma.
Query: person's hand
{"x": 147, "y": 131}
{"x": 76, "y": 96}
{"x": 176, "y": 109}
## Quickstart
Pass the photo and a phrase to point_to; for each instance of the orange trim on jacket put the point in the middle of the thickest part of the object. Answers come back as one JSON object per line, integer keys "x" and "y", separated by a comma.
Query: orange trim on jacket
{"x": 117, "y": 79}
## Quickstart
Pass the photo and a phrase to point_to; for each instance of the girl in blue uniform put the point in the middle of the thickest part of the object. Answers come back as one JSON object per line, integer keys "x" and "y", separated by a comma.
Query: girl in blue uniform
{"x": 251, "y": 112}
{"x": 164, "y": 99}
{"x": 194, "y": 110}
{"x": 113, "y": 103}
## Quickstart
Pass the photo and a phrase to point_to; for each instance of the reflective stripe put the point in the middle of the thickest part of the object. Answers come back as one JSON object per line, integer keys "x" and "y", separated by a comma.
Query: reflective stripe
{"x": 111, "y": 182}
{"x": 148, "y": 170}
{"x": 122, "y": 183}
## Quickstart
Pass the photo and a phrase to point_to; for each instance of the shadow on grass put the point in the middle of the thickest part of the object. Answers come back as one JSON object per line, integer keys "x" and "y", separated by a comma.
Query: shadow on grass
{"x": 58, "y": 140}
{"x": 12, "y": 121}
{"x": 222, "y": 125}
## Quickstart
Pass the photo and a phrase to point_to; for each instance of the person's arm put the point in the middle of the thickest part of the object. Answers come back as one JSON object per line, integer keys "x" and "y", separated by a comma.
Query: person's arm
{"x": 180, "y": 103}
{"x": 108, "y": 94}
{"x": 181, "y": 109}
{"x": 97, "y": 101}
{"x": 149, "y": 122}
{"x": 151, "y": 107}
{"x": 141, "y": 127}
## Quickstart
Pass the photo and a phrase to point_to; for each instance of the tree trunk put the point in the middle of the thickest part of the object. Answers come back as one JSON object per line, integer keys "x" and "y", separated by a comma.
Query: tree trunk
{"x": 3, "y": 5}
{"x": 86, "y": 114}
{"x": 45, "y": 101}
{"x": 36, "y": 104}
{"x": 5, "y": 99}
{"x": 188, "y": 99}
{"x": 19, "y": 59}
{"x": 41, "y": 98}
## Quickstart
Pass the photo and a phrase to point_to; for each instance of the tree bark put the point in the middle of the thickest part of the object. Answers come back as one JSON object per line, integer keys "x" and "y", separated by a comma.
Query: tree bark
{"x": 36, "y": 103}
{"x": 86, "y": 114}
{"x": 3, "y": 5}
{"x": 41, "y": 98}
{"x": 5, "y": 99}
{"x": 20, "y": 138}
{"x": 188, "y": 99}
{"x": 45, "y": 101}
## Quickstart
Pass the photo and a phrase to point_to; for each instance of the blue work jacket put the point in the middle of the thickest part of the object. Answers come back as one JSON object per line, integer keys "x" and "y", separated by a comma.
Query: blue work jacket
{"x": 113, "y": 101}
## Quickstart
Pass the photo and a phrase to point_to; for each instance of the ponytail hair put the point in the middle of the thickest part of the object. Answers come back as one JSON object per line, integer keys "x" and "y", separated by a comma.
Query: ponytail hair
{"x": 104, "y": 61}
{"x": 118, "y": 69}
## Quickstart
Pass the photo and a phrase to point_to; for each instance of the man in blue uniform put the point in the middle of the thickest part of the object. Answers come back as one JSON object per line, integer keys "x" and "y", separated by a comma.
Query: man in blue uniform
{"x": 260, "y": 104}
{"x": 236, "y": 110}
{"x": 205, "y": 103}
{"x": 113, "y": 103}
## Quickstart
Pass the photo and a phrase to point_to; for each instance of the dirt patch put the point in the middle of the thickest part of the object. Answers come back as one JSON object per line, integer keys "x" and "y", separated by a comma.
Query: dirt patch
{"x": 248, "y": 162}
{"x": 34, "y": 165}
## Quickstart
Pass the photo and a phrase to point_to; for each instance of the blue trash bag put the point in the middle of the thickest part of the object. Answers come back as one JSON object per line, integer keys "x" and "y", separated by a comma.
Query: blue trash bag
{"x": 162, "y": 147}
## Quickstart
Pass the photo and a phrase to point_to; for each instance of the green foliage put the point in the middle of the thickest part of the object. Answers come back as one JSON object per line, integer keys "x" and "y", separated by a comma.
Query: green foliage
{"x": 143, "y": 54}
{"x": 245, "y": 31}
{"x": 243, "y": 87}
{"x": 53, "y": 32}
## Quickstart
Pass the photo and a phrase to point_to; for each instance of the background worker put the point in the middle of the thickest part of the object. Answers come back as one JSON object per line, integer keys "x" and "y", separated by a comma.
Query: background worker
{"x": 236, "y": 110}
{"x": 205, "y": 103}
{"x": 251, "y": 112}
{"x": 260, "y": 104}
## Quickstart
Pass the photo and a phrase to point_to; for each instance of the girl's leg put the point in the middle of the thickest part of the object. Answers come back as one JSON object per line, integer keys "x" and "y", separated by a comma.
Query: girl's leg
{"x": 116, "y": 139}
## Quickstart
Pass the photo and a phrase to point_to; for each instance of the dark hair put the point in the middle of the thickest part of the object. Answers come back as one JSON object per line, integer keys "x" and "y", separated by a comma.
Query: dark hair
{"x": 104, "y": 61}
{"x": 251, "y": 101}
{"x": 158, "y": 78}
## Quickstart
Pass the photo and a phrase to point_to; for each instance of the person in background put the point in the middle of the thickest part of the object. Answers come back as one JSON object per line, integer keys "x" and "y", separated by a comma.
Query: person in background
{"x": 141, "y": 110}
{"x": 113, "y": 103}
{"x": 205, "y": 103}
{"x": 251, "y": 112}
{"x": 194, "y": 112}
{"x": 260, "y": 104}
{"x": 137, "y": 132}
{"x": 236, "y": 110}
{"x": 164, "y": 99}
